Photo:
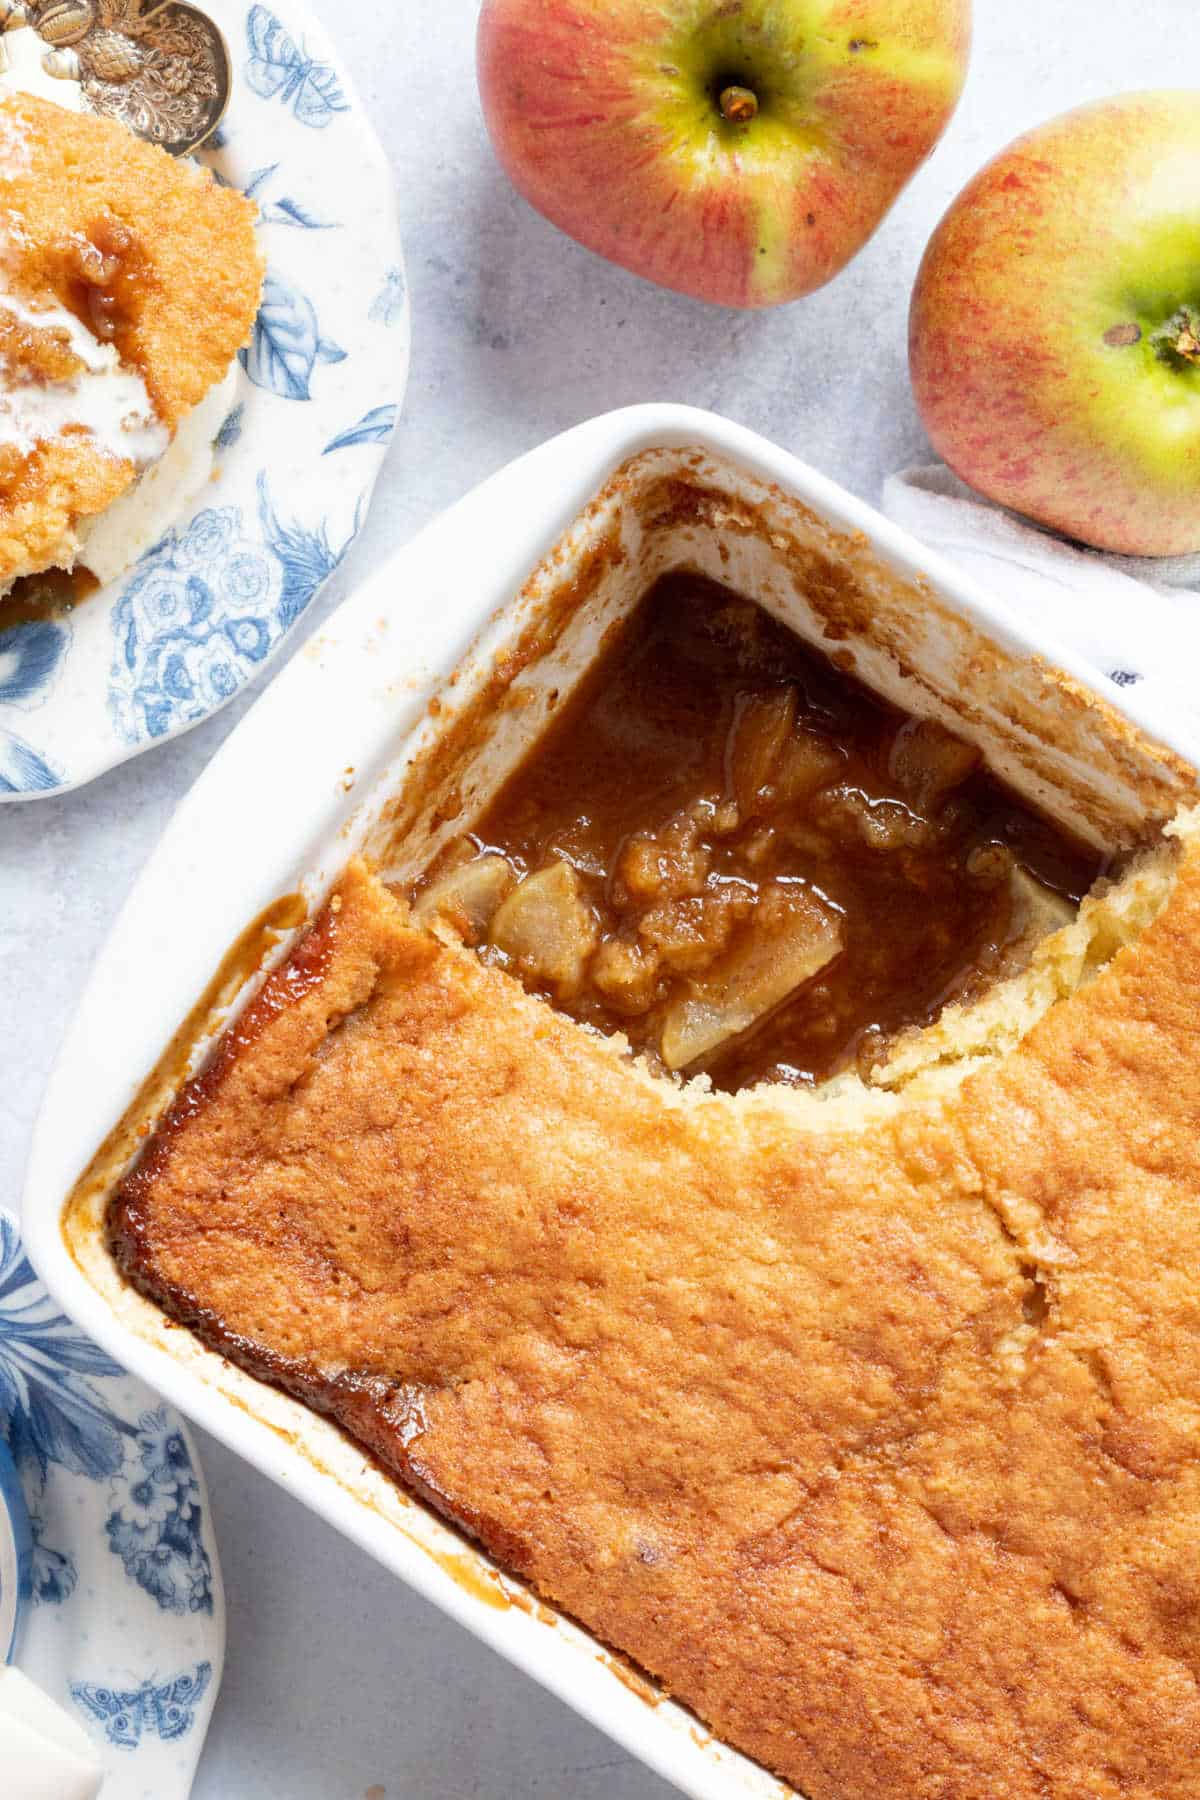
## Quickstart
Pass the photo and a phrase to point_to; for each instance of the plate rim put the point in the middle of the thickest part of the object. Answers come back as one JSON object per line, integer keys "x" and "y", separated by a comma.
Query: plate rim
{"x": 91, "y": 1558}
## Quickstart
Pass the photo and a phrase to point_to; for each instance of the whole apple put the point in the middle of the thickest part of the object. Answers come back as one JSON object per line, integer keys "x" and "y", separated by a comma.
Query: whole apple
{"x": 1054, "y": 337}
{"x": 740, "y": 151}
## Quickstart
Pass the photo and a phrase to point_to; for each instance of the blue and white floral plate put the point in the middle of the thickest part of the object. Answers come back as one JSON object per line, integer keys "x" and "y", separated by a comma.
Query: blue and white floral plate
{"x": 319, "y": 390}
{"x": 16, "y": 1554}
{"x": 126, "y": 1625}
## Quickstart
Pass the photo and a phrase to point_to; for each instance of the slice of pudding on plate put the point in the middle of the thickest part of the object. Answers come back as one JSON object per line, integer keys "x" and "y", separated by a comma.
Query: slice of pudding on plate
{"x": 128, "y": 283}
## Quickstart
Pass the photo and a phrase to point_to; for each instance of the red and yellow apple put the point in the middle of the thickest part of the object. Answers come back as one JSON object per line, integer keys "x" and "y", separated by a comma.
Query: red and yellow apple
{"x": 1054, "y": 337}
{"x": 740, "y": 151}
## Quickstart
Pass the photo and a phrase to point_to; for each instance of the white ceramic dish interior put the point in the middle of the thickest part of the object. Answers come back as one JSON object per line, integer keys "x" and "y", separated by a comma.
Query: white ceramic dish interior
{"x": 282, "y": 806}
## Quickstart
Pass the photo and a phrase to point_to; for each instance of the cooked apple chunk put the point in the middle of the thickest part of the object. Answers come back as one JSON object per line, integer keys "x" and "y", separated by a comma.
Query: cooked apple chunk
{"x": 1037, "y": 911}
{"x": 545, "y": 928}
{"x": 467, "y": 897}
{"x": 764, "y": 724}
{"x": 793, "y": 937}
{"x": 927, "y": 762}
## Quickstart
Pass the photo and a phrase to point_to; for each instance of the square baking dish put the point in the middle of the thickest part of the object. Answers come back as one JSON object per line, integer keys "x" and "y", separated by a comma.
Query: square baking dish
{"x": 386, "y": 733}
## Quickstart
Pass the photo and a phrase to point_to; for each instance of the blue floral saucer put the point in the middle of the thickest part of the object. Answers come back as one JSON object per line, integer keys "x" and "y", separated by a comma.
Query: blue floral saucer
{"x": 126, "y": 1625}
{"x": 320, "y": 387}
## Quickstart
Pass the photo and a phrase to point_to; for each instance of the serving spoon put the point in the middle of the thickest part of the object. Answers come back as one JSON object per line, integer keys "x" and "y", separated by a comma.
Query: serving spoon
{"x": 161, "y": 67}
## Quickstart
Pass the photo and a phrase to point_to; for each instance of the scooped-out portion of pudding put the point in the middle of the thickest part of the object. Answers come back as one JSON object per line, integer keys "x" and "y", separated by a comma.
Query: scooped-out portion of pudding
{"x": 128, "y": 282}
{"x": 734, "y": 854}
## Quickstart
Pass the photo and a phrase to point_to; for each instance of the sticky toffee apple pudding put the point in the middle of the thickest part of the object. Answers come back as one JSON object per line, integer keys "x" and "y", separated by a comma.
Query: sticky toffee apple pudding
{"x": 748, "y": 1182}
{"x": 128, "y": 282}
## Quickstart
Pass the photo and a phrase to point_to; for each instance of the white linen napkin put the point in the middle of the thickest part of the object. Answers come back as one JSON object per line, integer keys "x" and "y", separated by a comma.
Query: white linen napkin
{"x": 1137, "y": 619}
{"x": 44, "y": 1754}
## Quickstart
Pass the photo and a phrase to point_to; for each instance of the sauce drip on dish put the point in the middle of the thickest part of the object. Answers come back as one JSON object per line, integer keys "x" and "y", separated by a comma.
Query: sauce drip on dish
{"x": 735, "y": 854}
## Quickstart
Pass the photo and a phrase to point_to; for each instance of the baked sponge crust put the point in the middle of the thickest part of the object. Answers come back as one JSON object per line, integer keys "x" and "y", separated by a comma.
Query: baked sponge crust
{"x": 187, "y": 300}
{"x": 878, "y": 1447}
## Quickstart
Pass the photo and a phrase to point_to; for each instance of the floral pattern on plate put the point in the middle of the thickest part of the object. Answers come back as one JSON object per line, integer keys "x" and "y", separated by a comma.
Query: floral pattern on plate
{"x": 205, "y": 608}
{"x": 127, "y": 1624}
{"x": 198, "y": 617}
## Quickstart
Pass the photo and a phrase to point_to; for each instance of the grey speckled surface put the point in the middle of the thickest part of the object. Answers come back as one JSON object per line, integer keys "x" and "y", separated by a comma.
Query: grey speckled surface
{"x": 338, "y": 1678}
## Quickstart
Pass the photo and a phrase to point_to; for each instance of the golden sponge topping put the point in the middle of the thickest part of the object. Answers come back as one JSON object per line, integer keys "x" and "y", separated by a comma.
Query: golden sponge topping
{"x": 873, "y": 1438}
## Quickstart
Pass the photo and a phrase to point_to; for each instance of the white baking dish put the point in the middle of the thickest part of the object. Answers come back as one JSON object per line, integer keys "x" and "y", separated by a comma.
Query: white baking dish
{"x": 344, "y": 749}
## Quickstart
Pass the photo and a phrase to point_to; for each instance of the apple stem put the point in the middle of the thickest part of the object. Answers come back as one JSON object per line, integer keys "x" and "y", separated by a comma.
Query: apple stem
{"x": 1180, "y": 337}
{"x": 1187, "y": 345}
{"x": 738, "y": 104}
